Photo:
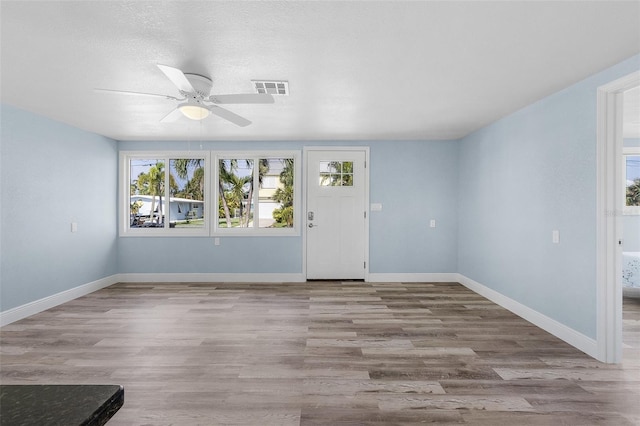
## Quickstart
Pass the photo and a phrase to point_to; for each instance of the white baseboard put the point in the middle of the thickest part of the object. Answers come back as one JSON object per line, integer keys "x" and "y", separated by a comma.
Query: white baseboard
{"x": 413, "y": 277}
{"x": 37, "y": 306}
{"x": 210, "y": 277}
{"x": 561, "y": 331}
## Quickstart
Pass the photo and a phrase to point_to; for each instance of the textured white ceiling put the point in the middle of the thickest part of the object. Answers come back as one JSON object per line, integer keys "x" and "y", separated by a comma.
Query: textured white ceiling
{"x": 357, "y": 70}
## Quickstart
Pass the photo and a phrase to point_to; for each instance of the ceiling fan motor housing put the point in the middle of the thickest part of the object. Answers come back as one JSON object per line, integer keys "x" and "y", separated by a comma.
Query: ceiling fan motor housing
{"x": 201, "y": 83}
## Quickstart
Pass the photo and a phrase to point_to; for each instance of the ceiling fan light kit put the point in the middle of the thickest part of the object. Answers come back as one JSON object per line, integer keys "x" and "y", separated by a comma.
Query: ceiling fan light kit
{"x": 193, "y": 111}
{"x": 196, "y": 92}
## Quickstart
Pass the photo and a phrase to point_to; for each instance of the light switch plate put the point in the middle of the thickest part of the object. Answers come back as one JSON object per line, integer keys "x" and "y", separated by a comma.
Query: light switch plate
{"x": 432, "y": 223}
{"x": 555, "y": 236}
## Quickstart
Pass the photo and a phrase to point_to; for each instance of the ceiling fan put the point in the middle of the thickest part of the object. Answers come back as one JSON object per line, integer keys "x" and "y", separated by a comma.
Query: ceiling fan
{"x": 196, "y": 101}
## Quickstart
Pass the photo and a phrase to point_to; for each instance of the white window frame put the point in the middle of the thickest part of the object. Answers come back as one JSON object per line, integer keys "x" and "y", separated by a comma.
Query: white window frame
{"x": 252, "y": 232}
{"x": 166, "y": 231}
{"x": 628, "y": 210}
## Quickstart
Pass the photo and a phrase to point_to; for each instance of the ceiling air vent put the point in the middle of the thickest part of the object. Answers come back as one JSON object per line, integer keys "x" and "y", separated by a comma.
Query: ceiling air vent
{"x": 271, "y": 87}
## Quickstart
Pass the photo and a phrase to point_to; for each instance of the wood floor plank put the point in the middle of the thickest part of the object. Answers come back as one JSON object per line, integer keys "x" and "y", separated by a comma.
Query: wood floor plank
{"x": 320, "y": 353}
{"x": 449, "y": 402}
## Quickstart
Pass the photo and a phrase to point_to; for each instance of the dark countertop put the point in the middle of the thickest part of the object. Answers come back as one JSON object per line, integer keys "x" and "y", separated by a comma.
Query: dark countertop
{"x": 66, "y": 405}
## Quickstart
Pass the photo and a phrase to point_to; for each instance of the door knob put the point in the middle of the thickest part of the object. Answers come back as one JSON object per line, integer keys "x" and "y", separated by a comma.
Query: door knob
{"x": 310, "y": 225}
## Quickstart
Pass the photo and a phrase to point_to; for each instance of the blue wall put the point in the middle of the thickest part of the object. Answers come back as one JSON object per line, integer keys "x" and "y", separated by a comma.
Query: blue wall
{"x": 53, "y": 174}
{"x": 522, "y": 177}
{"x": 414, "y": 180}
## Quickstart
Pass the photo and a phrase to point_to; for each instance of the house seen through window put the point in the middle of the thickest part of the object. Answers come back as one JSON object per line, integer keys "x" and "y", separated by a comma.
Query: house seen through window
{"x": 167, "y": 193}
{"x": 255, "y": 192}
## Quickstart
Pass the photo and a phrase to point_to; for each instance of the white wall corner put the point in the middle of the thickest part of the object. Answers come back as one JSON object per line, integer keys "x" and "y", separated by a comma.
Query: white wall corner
{"x": 37, "y": 306}
{"x": 561, "y": 331}
{"x": 413, "y": 277}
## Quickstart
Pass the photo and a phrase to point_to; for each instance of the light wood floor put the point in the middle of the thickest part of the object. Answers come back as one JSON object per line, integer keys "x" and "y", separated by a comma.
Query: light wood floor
{"x": 321, "y": 353}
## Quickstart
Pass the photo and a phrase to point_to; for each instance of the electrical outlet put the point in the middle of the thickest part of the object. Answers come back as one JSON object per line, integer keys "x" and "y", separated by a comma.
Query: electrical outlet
{"x": 216, "y": 241}
{"x": 555, "y": 237}
{"x": 432, "y": 223}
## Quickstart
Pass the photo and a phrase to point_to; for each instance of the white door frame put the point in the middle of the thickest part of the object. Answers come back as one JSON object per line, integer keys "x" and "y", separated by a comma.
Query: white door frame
{"x": 609, "y": 204}
{"x": 305, "y": 151}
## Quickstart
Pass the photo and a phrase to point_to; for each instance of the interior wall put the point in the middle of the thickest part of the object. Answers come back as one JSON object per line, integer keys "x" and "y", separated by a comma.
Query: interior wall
{"x": 414, "y": 181}
{"x": 523, "y": 177}
{"x": 52, "y": 175}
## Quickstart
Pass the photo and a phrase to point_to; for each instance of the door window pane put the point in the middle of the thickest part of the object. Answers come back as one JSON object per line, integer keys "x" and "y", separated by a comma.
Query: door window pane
{"x": 336, "y": 173}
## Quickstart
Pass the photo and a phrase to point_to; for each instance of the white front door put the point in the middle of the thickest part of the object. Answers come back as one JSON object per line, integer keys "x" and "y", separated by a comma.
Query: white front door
{"x": 336, "y": 214}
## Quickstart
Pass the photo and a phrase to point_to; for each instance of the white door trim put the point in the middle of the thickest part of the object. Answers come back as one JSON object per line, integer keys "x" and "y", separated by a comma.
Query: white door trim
{"x": 609, "y": 209}
{"x": 305, "y": 151}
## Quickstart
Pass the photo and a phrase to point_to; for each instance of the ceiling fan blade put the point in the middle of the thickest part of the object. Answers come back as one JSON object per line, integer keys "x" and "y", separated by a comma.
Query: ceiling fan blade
{"x": 177, "y": 77}
{"x": 243, "y": 98}
{"x": 124, "y": 92}
{"x": 172, "y": 116}
{"x": 228, "y": 115}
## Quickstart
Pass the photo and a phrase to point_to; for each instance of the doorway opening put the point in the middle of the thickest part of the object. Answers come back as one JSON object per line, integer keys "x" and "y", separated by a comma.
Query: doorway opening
{"x": 630, "y": 164}
{"x": 610, "y": 203}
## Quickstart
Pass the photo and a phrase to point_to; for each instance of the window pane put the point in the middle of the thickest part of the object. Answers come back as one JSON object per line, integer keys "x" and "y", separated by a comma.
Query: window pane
{"x": 276, "y": 202}
{"x": 325, "y": 179}
{"x": 186, "y": 187}
{"x": 632, "y": 180}
{"x": 347, "y": 173}
{"x": 146, "y": 193}
{"x": 327, "y": 167}
{"x": 235, "y": 193}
